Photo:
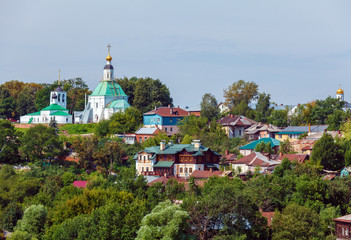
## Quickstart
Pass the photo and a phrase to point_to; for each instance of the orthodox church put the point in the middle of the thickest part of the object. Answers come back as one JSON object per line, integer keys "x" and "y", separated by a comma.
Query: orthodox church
{"x": 55, "y": 111}
{"x": 340, "y": 95}
{"x": 107, "y": 98}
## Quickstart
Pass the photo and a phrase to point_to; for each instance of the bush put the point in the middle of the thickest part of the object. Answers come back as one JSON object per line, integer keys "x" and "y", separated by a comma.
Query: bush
{"x": 78, "y": 128}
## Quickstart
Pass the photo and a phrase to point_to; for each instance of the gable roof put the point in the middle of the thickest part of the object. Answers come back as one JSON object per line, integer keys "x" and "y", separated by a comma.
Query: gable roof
{"x": 54, "y": 106}
{"x": 256, "y": 159}
{"x": 145, "y": 130}
{"x": 252, "y": 145}
{"x": 262, "y": 127}
{"x": 237, "y": 120}
{"x": 295, "y": 157}
{"x": 314, "y": 128}
{"x": 175, "y": 148}
{"x": 168, "y": 112}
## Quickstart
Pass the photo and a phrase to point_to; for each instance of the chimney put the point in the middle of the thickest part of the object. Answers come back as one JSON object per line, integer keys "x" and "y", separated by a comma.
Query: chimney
{"x": 211, "y": 169}
{"x": 226, "y": 152}
{"x": 169, "y": 105}
{"x": 231, "y": 115}
{"x": 196, "y": 143}
{"x": 162, "y": 145}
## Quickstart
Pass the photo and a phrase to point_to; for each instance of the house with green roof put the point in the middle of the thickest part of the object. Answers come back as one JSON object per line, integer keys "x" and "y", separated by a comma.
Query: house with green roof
{"x": 176, "y": 159}
{"x": 55, "y": 111}
{"x": 107, "y": 98}
{"x": 250, "y": 147}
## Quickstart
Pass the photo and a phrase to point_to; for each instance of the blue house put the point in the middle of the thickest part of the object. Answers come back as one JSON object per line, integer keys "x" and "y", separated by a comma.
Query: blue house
{"x": 165, "y": 118}
{"x": 345, "y": 172}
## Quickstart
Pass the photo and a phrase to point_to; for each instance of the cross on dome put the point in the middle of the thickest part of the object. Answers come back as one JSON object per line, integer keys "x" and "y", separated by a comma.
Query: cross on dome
{"x": 108, "y": 58}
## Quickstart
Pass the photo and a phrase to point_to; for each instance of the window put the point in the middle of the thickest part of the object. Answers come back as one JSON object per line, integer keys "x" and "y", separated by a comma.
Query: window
{"x": 158, "y": 120}
{"x": 145, "y": 138}
{"x": 190, "y": 170}
{"x": 66, "y": 119}
{"x": 144, "y": 158}
{"x": 63, "y": 97}
{"x": 108, "y": 75}
{"x": 171, "y": 129}
{"x": 140, "y": 157}
{"x": 180, "y": 170}
{"x": 147, "y": 169}
{"x": 59, "y": 97}
{"x": 142, "y": 169}
{"x": 166, "y": 129}
{"x": 239, "y": 132}
{"x": 171, "y": 120}
{"x": 185, "y": 170}
{"x": 140, "y": 139}
{"x": 96, "y": 105}
{"x": 280, "y": 136}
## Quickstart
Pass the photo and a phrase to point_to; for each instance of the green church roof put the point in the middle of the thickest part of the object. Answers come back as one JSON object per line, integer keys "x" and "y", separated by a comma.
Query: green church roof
{"x": 120, "y": 103}
{"x": 53, "y": 107}
{"x": 108, "y": 88}
{"x": 60, "y": 113}
{"x": 252, "y": 145}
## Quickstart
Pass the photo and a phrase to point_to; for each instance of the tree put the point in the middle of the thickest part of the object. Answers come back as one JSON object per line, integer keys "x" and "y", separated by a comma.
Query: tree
{"x": 240, "y": 91}
{"x": 296, "y": 222}
{"x": 33, "y": 220}
{"x": 125, "y": 122}
{"x": 9, "y": 143}
{"x": 328, "y": 153}
{"x": 209, "y": 107}
{"x": 278, "y": 118}
{"x": 40, "y": 143}
{"x": 335, "y": 119}
{"x": 7, "y": 104}
{"x": 285, "y": 147}
{"x": 263, "y": 109}
{"x": 85, "y": 149}
{"x": 243, "y": 109}
{"x": 26, "y": 101}
{"x": 42, "y": 99}
{"x": 166, "y": 221}
{"x": 150, "y": 93}
{"x": 10, "y": 215}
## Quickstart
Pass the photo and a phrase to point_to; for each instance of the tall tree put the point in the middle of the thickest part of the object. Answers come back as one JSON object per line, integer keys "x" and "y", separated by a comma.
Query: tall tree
{"x": 40, "y": 143}
{"x": 328, "y": 153}
{"x": 166, "y": 221}
{"x": 278, "y": 118}
{"x": 240, "y": 91}
{"x": 7, "y": 103}
{"x": 263, "y": 109}
{"x": 125, "y": 122}
{"x": 42, "y": 99}
{"x": 26, "y": 101}
{"x": 85, "y": 148}
{"x": 9, "y": 142}
{"x": 209, "y": 107}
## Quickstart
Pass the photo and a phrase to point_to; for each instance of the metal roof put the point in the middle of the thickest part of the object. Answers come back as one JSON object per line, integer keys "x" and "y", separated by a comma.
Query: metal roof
{"x": 145, "y": 130}
{"x": 108, "y": 66}
{"x": 164, "y": 164}
{"x": 120, "y": 103}
{"x": 282, "y": 133}
{"x": 54, "y": 106}
{"x": 314, "y": 128}
{"x": 252, "y": 145}
{"x": 108, "y": 88}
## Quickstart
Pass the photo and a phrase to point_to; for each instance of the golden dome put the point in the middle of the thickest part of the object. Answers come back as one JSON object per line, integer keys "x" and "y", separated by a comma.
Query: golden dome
{"x": 108, "y": 58}
{"x": 340, "y": 91}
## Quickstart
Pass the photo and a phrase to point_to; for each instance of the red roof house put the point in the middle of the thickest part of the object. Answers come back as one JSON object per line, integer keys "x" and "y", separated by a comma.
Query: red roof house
{"x": 295, "y": 157}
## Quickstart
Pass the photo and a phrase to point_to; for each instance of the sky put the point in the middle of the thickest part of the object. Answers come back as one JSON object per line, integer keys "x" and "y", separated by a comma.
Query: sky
{"x": 297, "y": 51}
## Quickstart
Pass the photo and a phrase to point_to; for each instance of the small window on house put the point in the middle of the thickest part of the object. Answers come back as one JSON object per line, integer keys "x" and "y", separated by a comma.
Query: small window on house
{"x": 140, "y": 157}
{"x": 190, "y": 170}
{"x": 158, "y": 120}
{"x": 185, "y": 170}
{"x": 239, "y": 132}
{"x": 142, "y": 169}
{"x": 108, "y": 75}
{"x": 63, "y": 97}
{"x": 66, "y": 119}
{"x": 96, "y": 105}
{"x": 166, "y": 129}
{"x": 171, "y": 120}
{"x": 180, "y": 170}
{"x": 140, "y": 139}
{"x": 147, "y": 169}
{"x": 171, "y": 129}
{"x": 59, "y": 98}
{"x": 280, "y": 136}
{"x": 144, "y": 158}
{"x": 145, "y": 138}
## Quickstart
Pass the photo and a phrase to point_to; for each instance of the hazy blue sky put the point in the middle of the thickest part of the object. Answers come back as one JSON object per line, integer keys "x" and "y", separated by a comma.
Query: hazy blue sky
{"x": 295, "y": 50}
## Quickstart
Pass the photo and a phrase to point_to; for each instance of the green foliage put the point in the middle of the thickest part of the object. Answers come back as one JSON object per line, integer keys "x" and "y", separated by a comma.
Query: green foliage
{"x": 240, "y": 91}
{"x": 263, "y": 110}
{"x": 33, "y": 220}
{"x": 102, "y": 128}
{"x": 125, "y": 122}
{"x": 10, "y": 215}
{"x": 243, "y": 109}
{"x": 26, "y": 101}
{"x": 9, "y": 143}
{"x": 146, "y": 93}
{"x": 166, "y": 221}
{"x": 209, "y": 107}
{"x": 278, "y": 118}
{"x": 40, "y": 143}
{"x": 328, "y": 153}
{"x": 296, "y": 222}
{"x": 7, "y": 103}
{"x": 22, "y": 235}
{"x": 78, "y": 128}
{"x": 285, "y": 147}
{"x": 264, "y": 147}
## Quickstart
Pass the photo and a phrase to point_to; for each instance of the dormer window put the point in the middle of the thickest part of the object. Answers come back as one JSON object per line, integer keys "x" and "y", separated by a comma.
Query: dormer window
{"x": 108, "y": 75}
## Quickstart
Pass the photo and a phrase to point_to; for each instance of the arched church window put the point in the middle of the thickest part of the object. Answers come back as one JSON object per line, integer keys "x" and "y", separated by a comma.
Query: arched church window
{"x": 59, "y": 97}
{"x": 63, "y": 97}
